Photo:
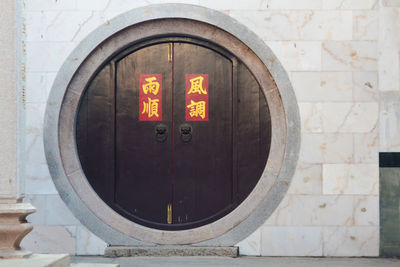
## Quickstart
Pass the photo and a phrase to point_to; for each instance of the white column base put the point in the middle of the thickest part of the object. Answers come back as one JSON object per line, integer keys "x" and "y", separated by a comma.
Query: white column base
{"x": 13, "y": 228}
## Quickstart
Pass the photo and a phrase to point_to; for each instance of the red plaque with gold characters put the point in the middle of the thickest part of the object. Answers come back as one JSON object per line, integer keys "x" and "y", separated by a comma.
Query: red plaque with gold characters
{"x": 197, "y": 91}
{"x": 150, "y": 97}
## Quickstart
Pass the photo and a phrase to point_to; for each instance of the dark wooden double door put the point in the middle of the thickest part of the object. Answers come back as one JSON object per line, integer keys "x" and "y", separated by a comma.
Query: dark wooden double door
{"x": 173, "y": 173}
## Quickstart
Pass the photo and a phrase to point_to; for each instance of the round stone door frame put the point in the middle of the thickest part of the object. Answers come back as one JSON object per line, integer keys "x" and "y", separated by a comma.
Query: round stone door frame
{"x": 139, "y": 25}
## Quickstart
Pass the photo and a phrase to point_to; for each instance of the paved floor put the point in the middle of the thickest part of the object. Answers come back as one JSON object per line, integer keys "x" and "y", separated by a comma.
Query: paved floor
{"x": 242, "y": 261}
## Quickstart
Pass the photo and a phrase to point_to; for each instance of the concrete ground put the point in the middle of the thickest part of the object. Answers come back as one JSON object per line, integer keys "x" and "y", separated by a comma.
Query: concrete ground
{"x": 241, "y": 261}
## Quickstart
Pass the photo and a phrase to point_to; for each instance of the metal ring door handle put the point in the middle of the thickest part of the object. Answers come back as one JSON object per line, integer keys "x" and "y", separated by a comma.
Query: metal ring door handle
{"x": 186, "y": 132}
{"x": 161, "y": 131}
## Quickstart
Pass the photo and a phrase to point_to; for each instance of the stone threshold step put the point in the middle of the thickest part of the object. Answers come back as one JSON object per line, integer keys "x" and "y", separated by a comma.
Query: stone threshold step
{"x": 93, "y": 265}
{"x": 167, "y": 251}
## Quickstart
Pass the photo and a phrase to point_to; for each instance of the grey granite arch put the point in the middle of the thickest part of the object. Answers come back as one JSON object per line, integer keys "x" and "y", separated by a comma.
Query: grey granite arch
{"x": 136, "y": 25}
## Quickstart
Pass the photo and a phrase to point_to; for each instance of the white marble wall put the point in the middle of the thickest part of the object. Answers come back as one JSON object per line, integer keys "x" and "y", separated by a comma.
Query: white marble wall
{"x": 339, "y": 56}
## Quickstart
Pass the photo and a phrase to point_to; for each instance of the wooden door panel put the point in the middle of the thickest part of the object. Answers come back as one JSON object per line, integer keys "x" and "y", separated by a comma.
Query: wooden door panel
{"x": 203, "y": 178}
{"x": 202, "y": 174}
{"x": 253, "y": 132}
{"x": 95, "y": 133}
{"x": 143, "y": 181}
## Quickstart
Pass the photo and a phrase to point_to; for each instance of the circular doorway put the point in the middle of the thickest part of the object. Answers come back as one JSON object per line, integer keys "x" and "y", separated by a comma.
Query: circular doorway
{"x": 222, "y": 37}
{"x": 173, "y": 133}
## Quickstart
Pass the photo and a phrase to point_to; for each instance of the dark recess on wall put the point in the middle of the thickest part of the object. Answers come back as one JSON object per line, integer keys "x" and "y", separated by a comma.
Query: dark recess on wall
{"x": 389, "y": 159}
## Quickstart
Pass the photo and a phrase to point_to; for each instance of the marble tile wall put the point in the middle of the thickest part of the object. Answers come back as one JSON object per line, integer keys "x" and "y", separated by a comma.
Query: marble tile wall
{"x": 340, "y": 55}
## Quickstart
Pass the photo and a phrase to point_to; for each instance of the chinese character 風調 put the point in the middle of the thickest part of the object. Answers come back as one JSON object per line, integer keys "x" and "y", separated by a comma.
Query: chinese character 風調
{"x": 151, "y": 107}
{"x": 196, "y": 86}
{"x": 197, "y": 109}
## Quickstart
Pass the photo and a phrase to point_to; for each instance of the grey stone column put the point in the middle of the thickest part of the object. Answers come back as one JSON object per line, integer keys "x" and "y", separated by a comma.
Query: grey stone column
{"x": 13, "y": 225}
{"x": 389, "y": 136}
